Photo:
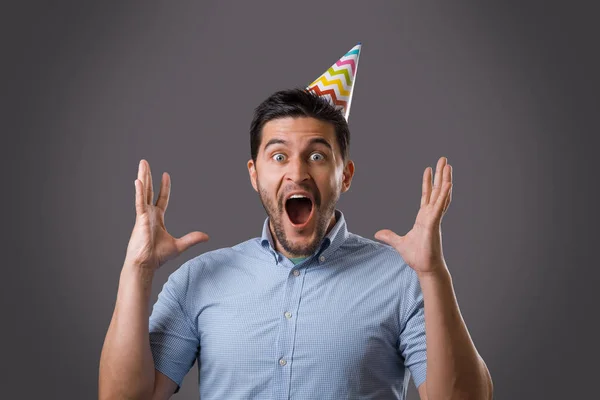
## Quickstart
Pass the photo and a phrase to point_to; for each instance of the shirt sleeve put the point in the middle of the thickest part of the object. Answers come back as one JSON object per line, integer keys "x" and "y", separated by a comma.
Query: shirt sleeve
{"x": 412, "y": 343}
{"x": 173, "y": 338}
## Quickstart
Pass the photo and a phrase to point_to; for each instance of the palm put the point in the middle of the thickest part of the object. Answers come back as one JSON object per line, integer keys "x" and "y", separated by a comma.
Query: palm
{"x": 166, "y": 247}
{"x": 421, "y": 247}
{"x": 158, "y": 245}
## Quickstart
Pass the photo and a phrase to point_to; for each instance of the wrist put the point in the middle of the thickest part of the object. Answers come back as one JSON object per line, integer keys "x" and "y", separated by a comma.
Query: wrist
{"x": 141, "y": 273}
{"x": 439, "y": 274}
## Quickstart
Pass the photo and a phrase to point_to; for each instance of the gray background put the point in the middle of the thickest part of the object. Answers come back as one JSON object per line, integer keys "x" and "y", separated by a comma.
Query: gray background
{"x": 508, "y": 91}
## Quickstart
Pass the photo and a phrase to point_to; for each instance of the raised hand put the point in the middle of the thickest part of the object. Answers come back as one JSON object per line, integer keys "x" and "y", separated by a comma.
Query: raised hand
{"x": 150, "y": 245}
{"x": 421, "y": 248}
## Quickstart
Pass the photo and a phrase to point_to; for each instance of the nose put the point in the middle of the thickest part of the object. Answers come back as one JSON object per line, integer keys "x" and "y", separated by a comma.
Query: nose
{"x": 297, "y": 170}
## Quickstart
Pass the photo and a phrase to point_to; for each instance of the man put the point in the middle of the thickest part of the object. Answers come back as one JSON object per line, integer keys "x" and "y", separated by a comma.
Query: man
{"x": 306, "y": 311}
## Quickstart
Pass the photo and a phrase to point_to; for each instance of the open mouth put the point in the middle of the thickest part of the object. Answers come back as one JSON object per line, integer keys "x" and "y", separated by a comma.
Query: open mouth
{"x": 299, "y": 209}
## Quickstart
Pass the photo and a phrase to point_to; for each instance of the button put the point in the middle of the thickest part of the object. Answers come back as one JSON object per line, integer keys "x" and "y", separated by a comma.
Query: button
{"x": 288, "y": 314}
{"x": 282, "y": 362}
{"x": 322, "y": 258}
{"x": 296, "y": 272}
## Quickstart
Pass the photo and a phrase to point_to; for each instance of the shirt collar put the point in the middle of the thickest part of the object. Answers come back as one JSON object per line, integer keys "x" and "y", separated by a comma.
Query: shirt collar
{"x": 330, "y": 243}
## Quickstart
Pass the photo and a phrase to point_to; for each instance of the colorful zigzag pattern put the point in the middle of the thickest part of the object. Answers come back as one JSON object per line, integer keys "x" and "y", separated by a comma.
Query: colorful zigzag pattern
{"x": 337, "y": 83}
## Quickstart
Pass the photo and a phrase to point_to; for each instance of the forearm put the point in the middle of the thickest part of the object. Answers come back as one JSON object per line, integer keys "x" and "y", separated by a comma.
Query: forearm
{"x": 454, "y": 368}
{"x": 126, "y": 363}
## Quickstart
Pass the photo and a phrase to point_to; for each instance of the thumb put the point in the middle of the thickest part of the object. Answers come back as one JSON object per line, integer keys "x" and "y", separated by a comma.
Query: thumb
{"x": 189, "y": 240}
{"x": 389, "y": 237}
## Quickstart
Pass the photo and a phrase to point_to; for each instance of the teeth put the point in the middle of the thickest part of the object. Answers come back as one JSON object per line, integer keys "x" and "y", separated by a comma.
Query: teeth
{"x": 298, "y": 196}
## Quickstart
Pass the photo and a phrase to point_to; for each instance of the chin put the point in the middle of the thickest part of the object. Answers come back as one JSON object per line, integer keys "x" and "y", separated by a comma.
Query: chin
{"x": 304, "y": 244}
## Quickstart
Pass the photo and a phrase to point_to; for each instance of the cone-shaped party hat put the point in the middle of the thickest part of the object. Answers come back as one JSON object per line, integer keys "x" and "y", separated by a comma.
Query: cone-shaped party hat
{"x": 337, "y": 83}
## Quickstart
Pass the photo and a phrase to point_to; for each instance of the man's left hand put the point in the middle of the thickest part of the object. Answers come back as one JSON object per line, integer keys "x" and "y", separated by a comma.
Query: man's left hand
{"x": 421, "y": 248}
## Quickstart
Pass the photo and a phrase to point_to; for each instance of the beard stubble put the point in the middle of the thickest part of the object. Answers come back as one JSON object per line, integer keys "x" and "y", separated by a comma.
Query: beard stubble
{"x": 323, "y": 213}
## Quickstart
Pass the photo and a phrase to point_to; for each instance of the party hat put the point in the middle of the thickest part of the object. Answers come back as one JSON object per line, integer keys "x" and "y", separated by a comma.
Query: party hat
{"x": 337, "y": 83}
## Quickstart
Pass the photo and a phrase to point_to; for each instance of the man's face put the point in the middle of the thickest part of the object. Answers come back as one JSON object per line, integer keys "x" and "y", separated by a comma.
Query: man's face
{"x": 299, "y": 156}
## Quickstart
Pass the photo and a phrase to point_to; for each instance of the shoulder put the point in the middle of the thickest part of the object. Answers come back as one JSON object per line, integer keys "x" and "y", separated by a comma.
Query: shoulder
{"x": 383, "y": 261}
{"x": 226, "y": 254}
{"x": 222, "y": 259}
{"x": 377, "y": 254}
{"x": 210, "y": 273}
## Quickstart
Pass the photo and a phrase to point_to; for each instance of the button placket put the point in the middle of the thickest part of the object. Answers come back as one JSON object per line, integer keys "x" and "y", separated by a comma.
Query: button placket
{"x": 287, "y": 328}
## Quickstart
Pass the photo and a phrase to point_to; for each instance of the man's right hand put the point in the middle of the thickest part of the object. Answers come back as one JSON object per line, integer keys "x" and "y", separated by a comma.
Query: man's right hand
{"x": 150, "y": 245}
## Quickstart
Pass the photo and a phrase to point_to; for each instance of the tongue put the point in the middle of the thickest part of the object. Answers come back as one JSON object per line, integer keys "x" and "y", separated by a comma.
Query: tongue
{"x": 298, "y": 210}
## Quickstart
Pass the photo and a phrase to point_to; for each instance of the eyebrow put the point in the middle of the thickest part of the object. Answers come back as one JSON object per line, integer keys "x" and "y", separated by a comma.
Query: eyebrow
{"x": 286, "y": 143}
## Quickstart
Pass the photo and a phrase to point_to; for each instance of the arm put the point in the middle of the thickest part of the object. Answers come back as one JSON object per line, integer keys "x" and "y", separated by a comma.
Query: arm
{"x": 454, "y": 368}
{"x": 127, "y": 367}
{"x": 126, "y": 364}
{"x": 453, "y": 364}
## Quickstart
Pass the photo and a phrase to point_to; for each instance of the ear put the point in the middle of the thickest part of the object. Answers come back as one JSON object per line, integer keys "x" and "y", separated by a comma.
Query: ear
{"x": 252, "y": 172}
{"x": 347, "y": 176}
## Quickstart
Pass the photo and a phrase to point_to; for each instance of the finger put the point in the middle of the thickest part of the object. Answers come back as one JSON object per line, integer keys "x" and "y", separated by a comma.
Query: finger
{"x": 140, "y": 206}
{"x": 437, "y": 181}
{"x": 449, "y": 199}
{"x": 165, "y": 190}
{"x": 444, "y": 194}
{"x": 426, "y": 187}
{"x": 149, "y": 188}
{"x": 142, "y": 175}
{"x": 187, "y": 241}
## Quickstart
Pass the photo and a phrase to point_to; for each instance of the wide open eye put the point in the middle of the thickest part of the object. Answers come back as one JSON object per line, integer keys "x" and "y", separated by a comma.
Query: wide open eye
{"x": 318, "y": 158}
{"x": 278, "y": 157}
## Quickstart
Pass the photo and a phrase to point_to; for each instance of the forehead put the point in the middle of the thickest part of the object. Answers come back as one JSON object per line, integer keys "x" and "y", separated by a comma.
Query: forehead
{"x": 298, "y": 130}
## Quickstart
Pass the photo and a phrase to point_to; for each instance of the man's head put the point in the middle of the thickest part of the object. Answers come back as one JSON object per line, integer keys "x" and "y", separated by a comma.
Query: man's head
{"x": 299, "y": 145}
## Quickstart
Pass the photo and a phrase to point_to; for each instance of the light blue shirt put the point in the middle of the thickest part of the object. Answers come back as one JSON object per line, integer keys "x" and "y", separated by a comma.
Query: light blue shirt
{"x": 345, "y": 323}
